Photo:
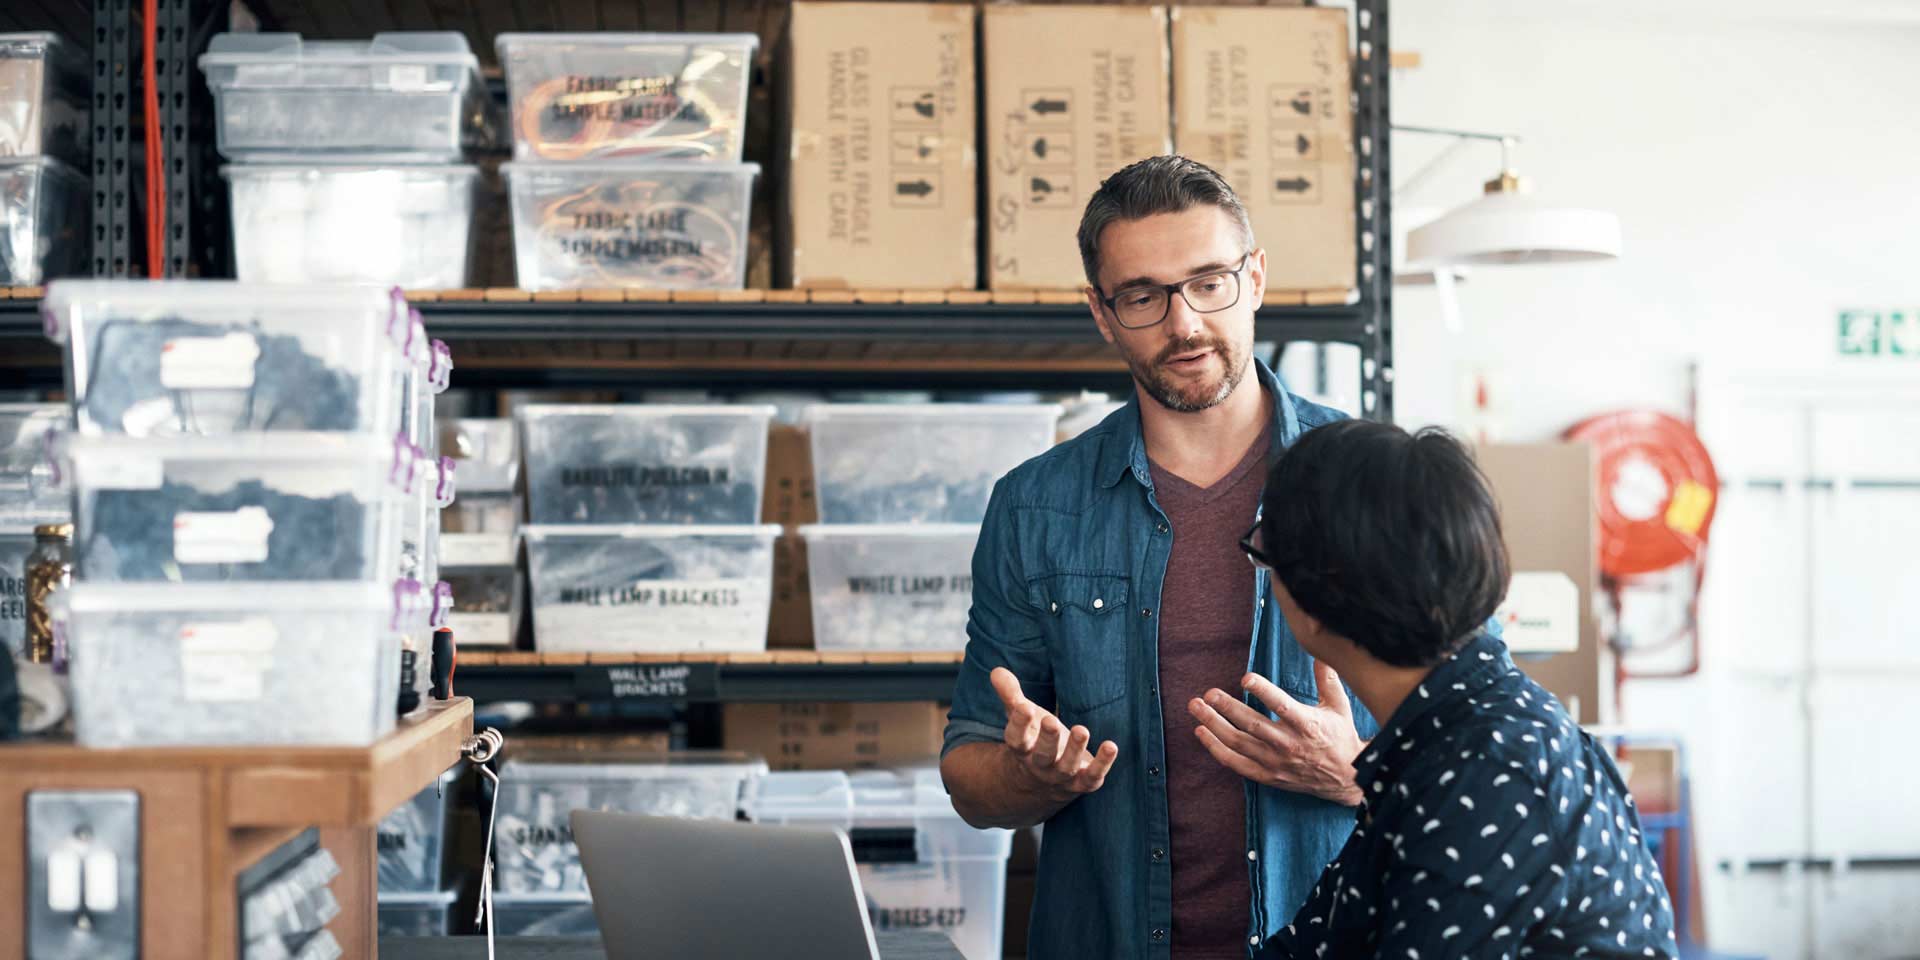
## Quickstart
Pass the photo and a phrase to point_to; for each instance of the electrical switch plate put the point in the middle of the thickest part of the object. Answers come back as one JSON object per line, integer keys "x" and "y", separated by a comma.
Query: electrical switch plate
{"x": 83, "y": 875}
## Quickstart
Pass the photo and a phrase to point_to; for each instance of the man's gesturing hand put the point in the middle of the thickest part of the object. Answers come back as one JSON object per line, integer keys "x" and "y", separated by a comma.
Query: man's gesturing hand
{"x": 1055, "y": 758}
{"x": 1304, "y": 749}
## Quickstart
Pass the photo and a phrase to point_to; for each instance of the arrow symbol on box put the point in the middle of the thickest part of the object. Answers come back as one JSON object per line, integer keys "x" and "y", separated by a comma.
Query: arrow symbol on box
{"x": 913, "y": 188}
{"x": 1044, "y": 106}
{"x": 1295, "y": 185}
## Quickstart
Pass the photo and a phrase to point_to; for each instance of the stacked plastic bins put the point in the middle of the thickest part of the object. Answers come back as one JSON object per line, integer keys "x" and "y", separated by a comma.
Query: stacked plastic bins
{"x": 346, "y": 155}
{"x": 542, "y": 889}
{"x": 479, "y": 533}
{"x": 238, "y": 496}
{"x": 423, "y": 601}
{"x": 921, "y": 866}
{"x": 644, "y": 531}
{"x": 902, "y": 490}
{"x": 627, "y": 164}
{"x": 44, "y": 198}
{"x": 32, "y": 493}
{"x": 411, "y": 846}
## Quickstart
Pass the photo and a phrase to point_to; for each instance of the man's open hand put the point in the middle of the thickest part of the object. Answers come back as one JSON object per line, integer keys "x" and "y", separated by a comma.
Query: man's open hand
{"x": 1305, "y": 749}
{"x": 1054, "y": 757}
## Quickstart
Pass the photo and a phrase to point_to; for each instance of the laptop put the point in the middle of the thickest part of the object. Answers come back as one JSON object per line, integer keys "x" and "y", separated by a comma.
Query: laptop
{"x": 691, "y": 889}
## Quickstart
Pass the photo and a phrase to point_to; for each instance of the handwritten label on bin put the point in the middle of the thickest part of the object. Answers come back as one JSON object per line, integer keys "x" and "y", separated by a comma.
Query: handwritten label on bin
{"x": 660, "y": 682}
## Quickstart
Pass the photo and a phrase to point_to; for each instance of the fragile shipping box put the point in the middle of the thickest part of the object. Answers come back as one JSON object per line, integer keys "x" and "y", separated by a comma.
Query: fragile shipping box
{"x": 1263, "y": 96}
{"x": 880, "y": 177}
{"x": 1073, "y": 94}
{"x": 1546, "y": 511}
{"x": 836, "y": 736}
{"x": 789, "y": 503}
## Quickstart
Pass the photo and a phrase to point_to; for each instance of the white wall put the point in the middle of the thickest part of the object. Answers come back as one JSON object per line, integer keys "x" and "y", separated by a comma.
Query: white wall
{"x": 1766, "y": 170}
{"x": 1764, "y": 159}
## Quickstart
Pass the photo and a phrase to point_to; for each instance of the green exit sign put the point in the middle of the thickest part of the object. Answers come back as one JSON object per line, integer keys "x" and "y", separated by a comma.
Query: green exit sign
{"x": 1880, "y": 333}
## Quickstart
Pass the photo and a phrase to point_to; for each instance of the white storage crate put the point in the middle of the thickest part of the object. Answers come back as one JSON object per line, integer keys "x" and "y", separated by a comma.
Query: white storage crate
{"x": 402, "y": 96}
{"x": 166, "y": 358}
{"x": 488, "y": 455}
{"x": 919, "y": 463}
{"x": 43, "y": 97}
{"x": 416, "y": 914}
{"x": 206, "y": 665}
{"x": 15, "y": 545}
{"x": 645, "y": 464}
{"x": 240, "y": 508}
{"x": 567, "y": 915}
{"x": 661, "y": 226}
{"x": 891, "y": 587}
{"x": 44, "y": 209}
{"x": 33, "y": 489}
{"x": 628, "y": 96}
{"x": 539, "y": 791}
{"x": 300, "y": 222}
{"x": 487, "y": 593}
{"x": 921, "y": 866}
{"x": 651, "y": 588}
{"x": 410, "y": 843}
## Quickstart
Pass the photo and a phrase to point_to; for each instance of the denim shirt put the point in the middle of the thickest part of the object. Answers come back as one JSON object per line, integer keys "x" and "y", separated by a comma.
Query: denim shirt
{"x": 1066, "y": 592}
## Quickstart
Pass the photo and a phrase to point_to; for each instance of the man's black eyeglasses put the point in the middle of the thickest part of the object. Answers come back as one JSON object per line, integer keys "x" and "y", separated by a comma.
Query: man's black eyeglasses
{"x": 1146, "y": 305}
{"x": 1255, "y": 555}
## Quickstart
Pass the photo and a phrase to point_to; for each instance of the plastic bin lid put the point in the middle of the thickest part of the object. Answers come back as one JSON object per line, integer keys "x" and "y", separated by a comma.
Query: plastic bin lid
{"x": 619, "y": 168}
{"x": 272, "y": 447}
{"x": 647, "y": 531}
{"x": 308, "y": 167}
{"x": 400, "y": 46}
{"x": 538, "y": 410}
{"x": 866, "y": 796}
{"x": 617, "y": 763}
{"x": 41, "y": 43}
{"x": 172, "y": 298}
{"x": 507, "y": 41}
{"x": 973, "y": 411}
{"x": 263, "y": 598}
{"x": 431, "y": 898}
{"x": 854, "y": 531}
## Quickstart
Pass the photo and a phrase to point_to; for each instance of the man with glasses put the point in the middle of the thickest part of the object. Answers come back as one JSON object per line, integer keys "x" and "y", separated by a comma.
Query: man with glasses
{"x": 1114, "y": 610}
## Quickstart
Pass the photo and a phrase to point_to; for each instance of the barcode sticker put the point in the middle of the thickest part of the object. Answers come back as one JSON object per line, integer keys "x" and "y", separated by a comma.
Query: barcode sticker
{"x": 226, "y": 662}
{"x": 238, "y": 536}
{"x": 209, "y": 363}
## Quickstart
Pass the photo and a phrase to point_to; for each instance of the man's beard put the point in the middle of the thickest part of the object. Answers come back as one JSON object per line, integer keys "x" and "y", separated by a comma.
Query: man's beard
{"x": 1154, "y": 379}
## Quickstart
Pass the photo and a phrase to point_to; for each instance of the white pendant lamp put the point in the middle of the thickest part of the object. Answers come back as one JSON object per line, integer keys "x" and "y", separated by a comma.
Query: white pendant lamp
{"x": 1509, "y": 226}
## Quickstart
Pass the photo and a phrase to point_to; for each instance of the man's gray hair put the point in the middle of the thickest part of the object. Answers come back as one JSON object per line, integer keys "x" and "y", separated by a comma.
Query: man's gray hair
{"x": 1156, "y": 185}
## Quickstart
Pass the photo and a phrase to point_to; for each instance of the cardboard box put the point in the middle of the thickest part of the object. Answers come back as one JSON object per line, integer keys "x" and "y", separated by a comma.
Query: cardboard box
{"x": 1546, "y": 506}
{"x": 1073, "y": 94}
{"x": 880, "y": 179}
{"x": 789, "y": 502}
{"x": 1264, "y": 97}
{"x": 836, "y": 736}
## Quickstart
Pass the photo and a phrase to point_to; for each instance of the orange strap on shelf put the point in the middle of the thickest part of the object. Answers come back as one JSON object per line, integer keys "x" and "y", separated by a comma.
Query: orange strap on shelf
{"x": 156, "y": 164}
{"x": 1658, "y": 490}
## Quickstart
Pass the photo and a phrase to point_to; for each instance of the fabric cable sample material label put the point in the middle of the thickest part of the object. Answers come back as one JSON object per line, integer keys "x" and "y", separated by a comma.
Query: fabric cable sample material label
{"x": 238, "y": 536}
{"x": 226, "y": 662}
{"x": 209, "y": 363}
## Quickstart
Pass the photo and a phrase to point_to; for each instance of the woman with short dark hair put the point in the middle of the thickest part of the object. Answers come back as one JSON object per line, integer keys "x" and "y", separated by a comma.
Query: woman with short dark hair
{"x": 1492, "y": 825}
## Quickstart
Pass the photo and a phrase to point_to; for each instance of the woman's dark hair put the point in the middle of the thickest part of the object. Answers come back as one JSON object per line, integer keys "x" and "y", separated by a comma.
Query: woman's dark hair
{"x": 1390, "y": 539}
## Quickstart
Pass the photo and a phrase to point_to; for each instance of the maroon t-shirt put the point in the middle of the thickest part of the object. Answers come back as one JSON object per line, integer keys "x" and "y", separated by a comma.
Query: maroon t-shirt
{"x": 1206, "y": 632}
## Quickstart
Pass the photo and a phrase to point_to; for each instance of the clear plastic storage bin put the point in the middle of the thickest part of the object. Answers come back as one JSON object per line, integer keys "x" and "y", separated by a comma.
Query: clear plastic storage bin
{"x": 921, "y": 866}
{"x": 416, "y": 914}
{"x": 568, "y": 915}
{"x": 15, "y": 545}
{"x": 403, "y": 96}
{"x": 486, "y": 587}
{"x": 393, "y": 226}
{"x": 159, "y": 665}
{"x": 627, "y": 96}
{"x": 899, "y": 587}
{"x": 659, "y": 226}
{"x": 919, "y": 463}
{"x": 648, "y": 588}
{"x": 151, "y": 359}
{"x": 487, "y": 452}
{"x": 44, "y": 211}
{"x": 533, "y": 833}
{"x": 241, "y": 508}
{"x": 411, "y": 842}
{"x": 32, "y": 488}
{"x": 645, "y": 464}
{"x": 43, "y": 97}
